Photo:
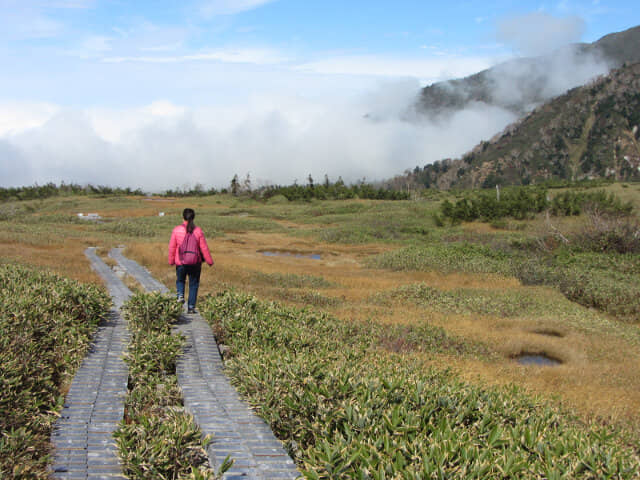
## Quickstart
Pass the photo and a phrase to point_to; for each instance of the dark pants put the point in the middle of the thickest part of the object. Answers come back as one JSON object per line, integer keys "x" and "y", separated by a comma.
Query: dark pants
{"x": 193, "y": 272}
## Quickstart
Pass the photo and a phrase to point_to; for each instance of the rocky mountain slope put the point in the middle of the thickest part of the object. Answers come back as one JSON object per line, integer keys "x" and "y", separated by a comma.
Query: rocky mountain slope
{"x": 589, "y": 132}
{"x": 520, "y": 85}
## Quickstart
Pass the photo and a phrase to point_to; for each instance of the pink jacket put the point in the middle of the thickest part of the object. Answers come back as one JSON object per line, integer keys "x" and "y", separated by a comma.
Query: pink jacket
{"x": 177, "y": 236}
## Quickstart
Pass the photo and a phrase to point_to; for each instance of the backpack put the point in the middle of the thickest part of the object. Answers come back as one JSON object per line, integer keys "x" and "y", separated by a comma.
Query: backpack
{"x": 189, "y": 251}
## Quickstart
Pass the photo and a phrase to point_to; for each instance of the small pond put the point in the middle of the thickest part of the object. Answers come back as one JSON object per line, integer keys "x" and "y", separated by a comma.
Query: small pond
{"x": 537, "y": 359}
{"x": 313, "y": 256}
{"x": 549, "y": 333}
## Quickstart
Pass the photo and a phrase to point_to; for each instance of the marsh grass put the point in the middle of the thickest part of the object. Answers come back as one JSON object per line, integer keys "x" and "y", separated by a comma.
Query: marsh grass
{"x": 379, "y": 224}
{"x": 290, "y": 280}
{"x": 464, "y": 300}
{"x": 445, "y": 257}
{"x": 607, "y": 282}
{"x": 593, "y": 348}
{"x": 345, "y": 409}
{"x": 127, "y": 228}
{"x": 401, "y": 244}
{"x": 307, "y": 297}
{"x": 219, "y": 224}
{"x": 523, "y": 303}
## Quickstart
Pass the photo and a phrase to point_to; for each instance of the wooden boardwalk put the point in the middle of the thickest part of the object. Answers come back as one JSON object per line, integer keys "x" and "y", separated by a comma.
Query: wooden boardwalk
{"x": 216, "y": 406}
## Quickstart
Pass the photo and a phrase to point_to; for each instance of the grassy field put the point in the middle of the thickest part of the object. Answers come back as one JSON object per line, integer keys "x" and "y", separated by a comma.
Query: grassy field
{"x": 485, "y": 292}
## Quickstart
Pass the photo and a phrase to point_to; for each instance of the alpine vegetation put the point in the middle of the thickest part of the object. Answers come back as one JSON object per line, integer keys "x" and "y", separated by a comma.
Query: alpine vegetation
{"x": 46, "y": 323}
{"x": 348, "y": 408}
{"x": 157, "y": 438}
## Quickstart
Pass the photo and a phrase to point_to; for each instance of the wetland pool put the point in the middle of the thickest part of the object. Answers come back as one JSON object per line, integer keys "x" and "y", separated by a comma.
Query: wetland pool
{"x": 270, "y": 253}
{"x": 536, "y": 359}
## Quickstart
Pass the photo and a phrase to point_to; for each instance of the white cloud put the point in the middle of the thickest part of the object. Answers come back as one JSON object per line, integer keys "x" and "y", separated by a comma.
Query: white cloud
{"x": 525, "y": 82}
{"x": 277, "y": 139}
{"x": 255, "y": 56}
{"x": 142, "y": 40}
{"x": 164, "y": 108}
{"x": 112, "y": 125}
{"x": 15, "y": 117}
{"x": 171, "y": 47}
{"x": 28, "y": 25}
{"x": 538, "y": 33}
{"x": 71, "y": 4}
{"x": 212, "y": 8}
{"x": 34, "y": 20}
{"x": 91, "y": 47}
{"x": 97, "y": 43}
{"x": 428, "y": 69}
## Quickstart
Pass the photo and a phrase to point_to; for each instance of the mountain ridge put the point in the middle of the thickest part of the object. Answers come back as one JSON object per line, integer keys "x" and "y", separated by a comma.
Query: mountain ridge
{"x": 587, "y": 131}
{"x": 590, "y": 132}
{"x": 521, "y": 84}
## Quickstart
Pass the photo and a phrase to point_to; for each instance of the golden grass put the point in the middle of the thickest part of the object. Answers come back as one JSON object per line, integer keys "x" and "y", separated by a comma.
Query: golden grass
{"x": 598, "y": 376}
{"x": 66, "y": 258}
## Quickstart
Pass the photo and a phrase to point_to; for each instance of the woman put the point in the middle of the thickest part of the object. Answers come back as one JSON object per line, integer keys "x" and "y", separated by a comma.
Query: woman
{"x": 175, "y": 258}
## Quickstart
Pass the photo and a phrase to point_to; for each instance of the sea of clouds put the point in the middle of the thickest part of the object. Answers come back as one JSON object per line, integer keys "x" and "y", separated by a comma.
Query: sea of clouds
{"x": 276, "y": 140}
{"x": 274, "y": 133}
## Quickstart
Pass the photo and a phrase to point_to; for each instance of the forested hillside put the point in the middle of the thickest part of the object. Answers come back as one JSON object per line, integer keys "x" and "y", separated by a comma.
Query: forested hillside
{"x": 589, "y": 132}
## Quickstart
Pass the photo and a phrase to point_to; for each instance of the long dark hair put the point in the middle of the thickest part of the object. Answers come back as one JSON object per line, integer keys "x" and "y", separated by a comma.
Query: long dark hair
{"x": 188, "y": 214}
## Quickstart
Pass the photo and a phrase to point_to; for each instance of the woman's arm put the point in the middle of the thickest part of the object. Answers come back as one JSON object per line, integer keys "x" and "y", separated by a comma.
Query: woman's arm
{"x": 173, "y": 245}
{"x": 204, "y": 249}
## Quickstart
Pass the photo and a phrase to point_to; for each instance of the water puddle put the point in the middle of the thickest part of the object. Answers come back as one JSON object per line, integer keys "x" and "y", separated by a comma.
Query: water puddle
{"x": 313, "y": 256}
{"x": 537, "y": 359}
{"x": 549, "y": 333}
{"x": 90, "y": 216}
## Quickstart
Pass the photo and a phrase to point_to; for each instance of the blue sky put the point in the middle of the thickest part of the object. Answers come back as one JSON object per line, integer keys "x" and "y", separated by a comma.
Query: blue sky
{"x": 116, "y": 52}
{"x": 119, "y": 68}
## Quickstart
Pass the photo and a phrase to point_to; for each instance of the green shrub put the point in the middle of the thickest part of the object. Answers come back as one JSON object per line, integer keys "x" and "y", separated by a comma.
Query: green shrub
{"x": 524, "y": 202}
{"x": 291, "y": 280}
{"x": 517, "y": 202}
{"x": 574, "y": 202}
{"x": 277, "y": 200}
{"x": 446, "y": 258}
{"x": 46, "y": 322}
{"x": 157, "y": 438}
{"x": 346, "y": 409}
{"x": 309, "y": 297}
{"x": 616, "y": 293}
{"x": 307, "y": 329}
{"x": 464, "y": 300}
{"x": 130, "y": 228}
{"x": 607, "y": 282}
{"x": 608, "y": 233}
{"x": 328, "y": 190}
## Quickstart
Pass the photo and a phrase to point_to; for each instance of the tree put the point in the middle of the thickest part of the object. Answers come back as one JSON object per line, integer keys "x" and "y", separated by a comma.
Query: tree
{"x": 235, "y": 186}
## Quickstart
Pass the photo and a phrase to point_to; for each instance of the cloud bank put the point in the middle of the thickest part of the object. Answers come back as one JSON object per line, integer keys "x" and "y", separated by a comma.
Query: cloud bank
{"x": 523, "y": 83}
{"x": 538, "y": 33}
{"x": 529, "y": 82}
{"x": 276, "y": 140}
{"x": 306, "y": 118}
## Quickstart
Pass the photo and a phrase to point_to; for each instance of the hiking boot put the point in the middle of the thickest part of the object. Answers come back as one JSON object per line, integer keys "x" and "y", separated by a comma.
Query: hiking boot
{"x": 180, "y": 299}
{"x": 191, "y": 310}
